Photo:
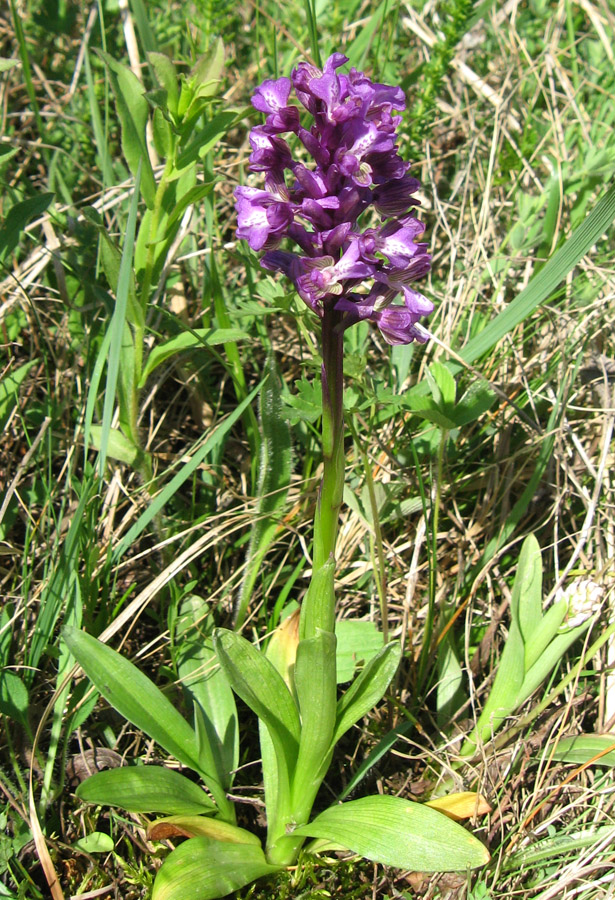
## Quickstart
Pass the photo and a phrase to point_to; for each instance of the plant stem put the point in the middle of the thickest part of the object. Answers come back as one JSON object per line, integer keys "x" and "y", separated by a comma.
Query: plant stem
{"x": 318, "y": 613}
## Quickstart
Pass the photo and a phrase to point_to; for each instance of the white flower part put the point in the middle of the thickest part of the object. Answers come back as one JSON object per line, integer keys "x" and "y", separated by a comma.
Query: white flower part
{"x": 584, "y": 598}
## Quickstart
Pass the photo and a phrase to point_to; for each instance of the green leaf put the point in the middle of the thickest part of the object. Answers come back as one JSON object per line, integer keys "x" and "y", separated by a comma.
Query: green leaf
{"x": 6, "y": 64}
{"x": 133, "y": 112}
{"x": 398, "y": 833}
{"x": 254, "y": 678}
{"x": 583, "y": 749}
{"x": 544, "y": 632}
{"x": 542, "y": 285}
{"x": 367, "y": 689}
{"x": 189, "y": 341}
{"x": 548, "y": 659}
{"x": 145, "y": 789}
{"x": 134, "y": 696}
{"x": 316, "y": 687}
{"x": 207, "y": 685}
{"x": 166, "y": 75}
{"x": 478, "y": 398}
{"x": 203, "y": 141}
{"x": 504, "y": 692}
{"x": 207, "y": 71}
{"x": 118, "y": 445}
{"x": 357, "y": 642}
{"x": 443, "y": 387}
{"x": 13, "y": 697}
{"x": 526, "y": 599}
{"x": 95, "y": 842}
{"x": 123, "y": 358}
{"x": 212, "y": 442}
{"x": 425, "y": 408}
{"x": 16, "y": 220}
{"x": 203, "y": 869}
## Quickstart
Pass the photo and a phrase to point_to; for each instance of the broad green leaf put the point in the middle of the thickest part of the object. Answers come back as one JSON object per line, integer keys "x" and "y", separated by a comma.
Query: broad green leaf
{"x": 134, "y": 696}
{"x": 316, "y": 687}
{"x": 133, "y": 112}
{"x": 189, "y": 341}
{"x": 111, "y": 259}
{"x": 254, "y": 678}
{"x": 16, "y": 220}
{"x": 146, "y": 789}
{"x": 206, "y": 684}
{"x": 95, "y": 842}
{"x": 367, "y": 689}
{"x": 425, "y": 408}
{"x": 442, "y": 386}
{"x": 584, "y": 749}
{"x": 166, "y": 75}
{"x": 203, "y": 869}
{"x": 6, "y": 64}
{"x": 274, "y": 471}
{"x": 200, "y": 826}
{"x": 162, "y": 133}
{"x": 118, "y": 445}
{"x": 478, "y": 398}
{"x": 357, "y": 642}
{"x": 398, "y": 833}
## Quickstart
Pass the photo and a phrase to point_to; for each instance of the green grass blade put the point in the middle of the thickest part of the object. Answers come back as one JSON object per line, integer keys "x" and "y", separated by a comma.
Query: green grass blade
{"x": 156, "y": 506}
{"x": 118, "y": 324}
{"x": 273, "y": 483}
{"x": 547, "y": 280}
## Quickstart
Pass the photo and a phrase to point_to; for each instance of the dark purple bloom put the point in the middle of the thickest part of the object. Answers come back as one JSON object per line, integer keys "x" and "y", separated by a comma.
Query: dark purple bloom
{"x": 357, "y": 270}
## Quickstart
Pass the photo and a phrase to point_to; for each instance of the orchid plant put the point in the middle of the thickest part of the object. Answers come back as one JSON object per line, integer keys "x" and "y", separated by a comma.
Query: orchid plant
{"x": 337, "y": 189}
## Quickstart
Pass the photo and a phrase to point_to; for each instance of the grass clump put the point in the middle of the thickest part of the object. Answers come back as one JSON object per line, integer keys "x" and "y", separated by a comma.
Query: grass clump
{"x": 135, "y": 332}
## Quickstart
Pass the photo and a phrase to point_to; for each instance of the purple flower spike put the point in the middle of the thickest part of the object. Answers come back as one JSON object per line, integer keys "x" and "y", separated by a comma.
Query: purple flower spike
{"x": 355, "y": 172}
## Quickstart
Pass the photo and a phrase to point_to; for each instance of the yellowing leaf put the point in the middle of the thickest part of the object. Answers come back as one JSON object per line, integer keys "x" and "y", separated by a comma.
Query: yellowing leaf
{"x": 464, "y": 805}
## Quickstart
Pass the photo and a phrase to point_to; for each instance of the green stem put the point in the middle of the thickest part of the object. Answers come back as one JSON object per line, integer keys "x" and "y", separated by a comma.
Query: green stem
{"x": 150, "y": 259}
{"x": 318, "y": 613}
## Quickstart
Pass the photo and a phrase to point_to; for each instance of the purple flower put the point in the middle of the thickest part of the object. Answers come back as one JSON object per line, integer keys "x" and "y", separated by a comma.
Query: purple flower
{"x": 354, "y": 171}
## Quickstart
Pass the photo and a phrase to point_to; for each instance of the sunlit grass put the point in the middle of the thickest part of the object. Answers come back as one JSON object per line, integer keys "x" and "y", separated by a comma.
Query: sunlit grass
{"x": 510, "y": 126}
